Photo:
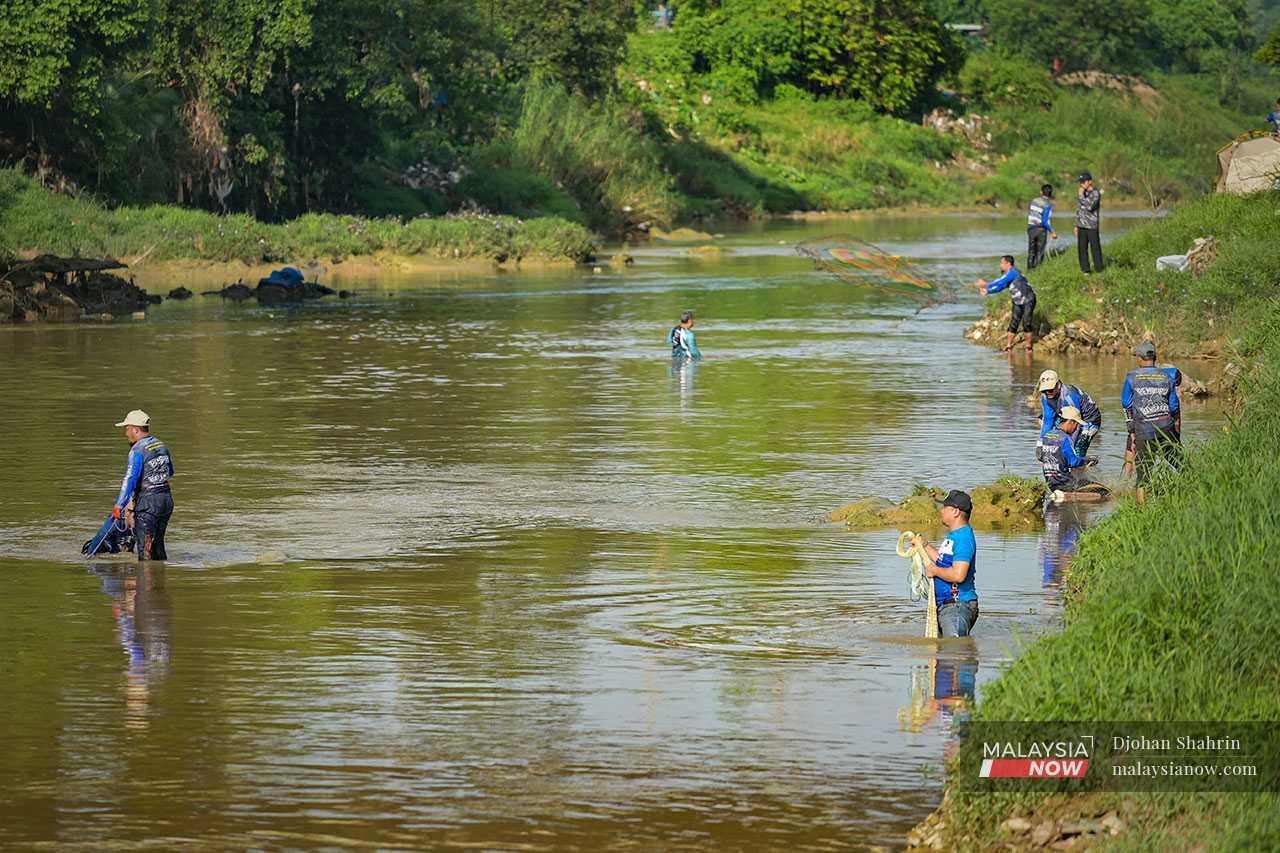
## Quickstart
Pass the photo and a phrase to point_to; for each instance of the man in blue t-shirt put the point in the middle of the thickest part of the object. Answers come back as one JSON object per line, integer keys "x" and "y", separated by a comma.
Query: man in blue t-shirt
{"x": 1274, "y": 117}
{"x": 952, "y": 565}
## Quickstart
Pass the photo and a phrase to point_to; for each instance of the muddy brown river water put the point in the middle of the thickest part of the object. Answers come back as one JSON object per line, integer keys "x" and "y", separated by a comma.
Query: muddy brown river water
{"x": 463, "y": 561}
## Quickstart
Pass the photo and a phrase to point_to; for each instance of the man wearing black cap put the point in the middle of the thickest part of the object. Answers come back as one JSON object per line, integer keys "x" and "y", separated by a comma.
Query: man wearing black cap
{"x": 952, "y": 565}
{"x": 1088, "y": 241}
{"x": 1150, "y": 400}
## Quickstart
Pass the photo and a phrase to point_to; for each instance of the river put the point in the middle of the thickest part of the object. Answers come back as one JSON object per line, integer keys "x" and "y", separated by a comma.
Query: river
{"x": 462, "y": 561}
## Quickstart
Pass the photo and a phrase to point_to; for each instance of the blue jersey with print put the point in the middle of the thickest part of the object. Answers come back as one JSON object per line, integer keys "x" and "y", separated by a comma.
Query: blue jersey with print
{"x": 1019, "y": 287}
{"x": 959, "y": 546}
{"x": 149, "y": 467}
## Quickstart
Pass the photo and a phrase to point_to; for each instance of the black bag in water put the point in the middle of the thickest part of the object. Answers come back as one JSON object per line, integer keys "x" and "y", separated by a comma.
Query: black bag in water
{"x": 111, "y": 538}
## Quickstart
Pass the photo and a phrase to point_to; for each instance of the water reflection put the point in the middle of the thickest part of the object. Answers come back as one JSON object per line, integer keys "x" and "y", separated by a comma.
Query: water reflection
{"x": 1063, "y": 524}
{"x": 143, "y": 615}
{"x": 943, "y": 688}
{"x": 683, "y": 373}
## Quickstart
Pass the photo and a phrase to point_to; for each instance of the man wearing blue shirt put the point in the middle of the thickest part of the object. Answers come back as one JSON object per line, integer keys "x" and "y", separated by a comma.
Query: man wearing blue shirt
{"x": 1057, "y": 453}
{"x": 1150, "y": 400}
{"x": 1274, "y": 117}
{"x": 1039, "y": 226}
{"x": 952, "y": 565}
{"x": 1054, "y": 395}
{"x": 146, "y": 486}
{"x": 1023, "y": 298}
{"x": 683, "y": 344}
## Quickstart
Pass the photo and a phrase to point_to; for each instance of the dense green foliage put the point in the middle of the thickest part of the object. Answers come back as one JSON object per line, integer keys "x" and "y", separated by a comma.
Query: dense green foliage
{"x": 34, "y": 220}
{"x": 887, "y": 54}
{"x": 280, "y": 107}
{"x": 1123, "y": 35}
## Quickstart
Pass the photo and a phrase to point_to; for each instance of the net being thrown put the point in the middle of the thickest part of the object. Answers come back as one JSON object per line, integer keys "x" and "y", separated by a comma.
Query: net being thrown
{"x": 860, "y": 262}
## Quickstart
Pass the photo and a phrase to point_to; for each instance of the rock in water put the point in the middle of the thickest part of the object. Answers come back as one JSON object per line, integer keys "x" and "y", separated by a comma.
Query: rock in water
{"x": 681, "y": 235}
{"x": 180, "y": 293}
{"x": 238, "y": 291}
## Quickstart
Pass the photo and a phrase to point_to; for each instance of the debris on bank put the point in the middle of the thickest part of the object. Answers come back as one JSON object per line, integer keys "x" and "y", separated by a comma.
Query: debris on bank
{"x": 1059, "y": 823}
{"x": 282, "y": 286}
{"x": 1010, "y": 503}
{"x": 65, "y": 290}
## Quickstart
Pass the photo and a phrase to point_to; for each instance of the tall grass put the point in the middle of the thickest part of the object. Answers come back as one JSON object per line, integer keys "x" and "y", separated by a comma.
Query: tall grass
{"x": 1169, "y": 619}
{"x": 34, "y": 220}
{"x": 597, "y": 154}
{"x": 1223, "y": 301}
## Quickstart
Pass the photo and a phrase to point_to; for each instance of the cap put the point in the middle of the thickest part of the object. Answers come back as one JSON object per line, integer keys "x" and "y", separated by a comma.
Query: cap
{"x": 1085, "y": 176}
{"x": 1146, "y": 349}
{"x": 136, "y": 418}
{"x": 1048, "y": 381}
{"x": 960, "y": 500}
{"x": 1071, "y": 413}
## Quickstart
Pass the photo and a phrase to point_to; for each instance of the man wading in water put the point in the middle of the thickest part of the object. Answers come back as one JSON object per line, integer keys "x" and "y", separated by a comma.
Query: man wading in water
{"x": 1058, "y": 455}
{"x": 1024, "y": 298}
{"x": 1150, "y": 400}
{"x": 1056, "y": 396}
{"x": 146, "y": 486}
{"x": 952, "y": 566}
{"x": 683, "y": 344}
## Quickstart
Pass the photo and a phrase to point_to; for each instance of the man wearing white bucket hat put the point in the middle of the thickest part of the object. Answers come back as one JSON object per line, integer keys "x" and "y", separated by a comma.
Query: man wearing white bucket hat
{"x": 1055, "y": 395}
{"x": 146, "y": 486}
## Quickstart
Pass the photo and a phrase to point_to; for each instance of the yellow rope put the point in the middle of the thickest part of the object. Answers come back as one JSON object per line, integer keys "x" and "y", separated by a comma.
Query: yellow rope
{"x": 921, "y": 585}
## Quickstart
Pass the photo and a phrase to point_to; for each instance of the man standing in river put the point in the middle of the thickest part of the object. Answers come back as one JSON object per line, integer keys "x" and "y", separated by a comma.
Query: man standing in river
{"x": 952, "y": 565}
{"x": 683, "y": 344}
{"x": 146, "y": 486}
{"x": 1055, "y": 395}
{"x": 1150, "y": 400}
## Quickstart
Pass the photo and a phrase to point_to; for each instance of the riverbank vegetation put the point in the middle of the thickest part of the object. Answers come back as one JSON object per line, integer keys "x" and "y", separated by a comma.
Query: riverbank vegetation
{"x": 1161, "y": 624}
{"x": 1213, "y": 313}
{"x": 588, "y": 113}
{"x": 33, "y": 220}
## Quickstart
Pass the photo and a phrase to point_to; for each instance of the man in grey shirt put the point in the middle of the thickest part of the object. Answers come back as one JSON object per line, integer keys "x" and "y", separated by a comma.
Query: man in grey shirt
{"x": 1088, "y": 200}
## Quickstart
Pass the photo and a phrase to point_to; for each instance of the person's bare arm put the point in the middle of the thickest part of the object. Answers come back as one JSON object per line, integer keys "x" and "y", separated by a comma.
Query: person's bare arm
{"x": 955, "y": 573}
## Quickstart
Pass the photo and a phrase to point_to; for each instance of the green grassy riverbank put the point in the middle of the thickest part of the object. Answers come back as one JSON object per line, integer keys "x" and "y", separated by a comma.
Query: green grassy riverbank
{"x": 1166, "y": 614}
{"x": 33, "y": 220}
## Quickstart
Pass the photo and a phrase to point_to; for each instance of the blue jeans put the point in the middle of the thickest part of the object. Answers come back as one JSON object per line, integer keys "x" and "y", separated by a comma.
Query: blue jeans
{"x": 956, "y": 618}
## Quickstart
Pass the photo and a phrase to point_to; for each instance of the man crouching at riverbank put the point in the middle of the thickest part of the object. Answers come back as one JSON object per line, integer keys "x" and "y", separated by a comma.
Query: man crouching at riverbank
{"x": 146, "y": 486}
{"x": 952, "y": 565}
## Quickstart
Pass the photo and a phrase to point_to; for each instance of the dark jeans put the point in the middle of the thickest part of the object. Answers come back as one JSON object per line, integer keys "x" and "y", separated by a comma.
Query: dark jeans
{"x": 1089, "y": 242}
{"x": 956, "y": 618}
{"x": 1148, "y": 452}
{"x": 150, "y": 519}
{"x": 1037, "y": 239}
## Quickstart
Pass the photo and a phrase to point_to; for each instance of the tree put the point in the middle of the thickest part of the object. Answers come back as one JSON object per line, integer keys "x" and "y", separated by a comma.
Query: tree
{"x": 1269, "y": 53}
{"x": 889, "y": 54}
{"x": 1109, "y": 34}
{"x": 55, "y": 53}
